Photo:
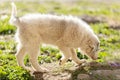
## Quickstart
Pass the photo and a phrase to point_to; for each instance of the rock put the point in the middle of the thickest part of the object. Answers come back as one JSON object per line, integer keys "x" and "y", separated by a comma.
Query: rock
{"x": 93, "y": 19}
{"x": 114, "y": 24}
{"x": 94, "y": 71}
{"x": 118, "y": 77}
{"x": 105, "y": 74}
{"x": 83, "y": 77}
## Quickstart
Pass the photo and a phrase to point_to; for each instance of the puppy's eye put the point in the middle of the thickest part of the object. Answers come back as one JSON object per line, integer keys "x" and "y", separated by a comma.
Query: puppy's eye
{"x": 94, "y": 49}
{"x": 91, "y": 47}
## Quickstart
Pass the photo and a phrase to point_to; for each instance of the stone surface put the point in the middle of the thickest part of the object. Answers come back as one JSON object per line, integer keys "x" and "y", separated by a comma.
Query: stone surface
{"x": 83, "y": 77}
{"x": 118, "y": 77}
{"x": 90, "y": 71}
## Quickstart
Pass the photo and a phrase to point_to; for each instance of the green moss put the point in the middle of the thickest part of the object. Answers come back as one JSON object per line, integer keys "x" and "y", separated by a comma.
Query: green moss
{"x": 5, "y": 27}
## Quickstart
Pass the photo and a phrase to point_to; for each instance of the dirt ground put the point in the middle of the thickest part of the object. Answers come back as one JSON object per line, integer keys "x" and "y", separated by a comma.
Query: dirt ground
{"x": 88, "y": 71}
{"x": 108, "y": 71}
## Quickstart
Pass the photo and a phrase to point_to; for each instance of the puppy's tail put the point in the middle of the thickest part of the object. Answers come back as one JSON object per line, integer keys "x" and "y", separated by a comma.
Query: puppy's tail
{"x": 14, "y": 20}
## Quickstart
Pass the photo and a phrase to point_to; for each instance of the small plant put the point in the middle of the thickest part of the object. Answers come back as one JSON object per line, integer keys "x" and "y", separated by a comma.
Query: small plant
{"x": 14, "y": 73}
{"x": 49, "y": 54}
{"x": 5, "y": 27}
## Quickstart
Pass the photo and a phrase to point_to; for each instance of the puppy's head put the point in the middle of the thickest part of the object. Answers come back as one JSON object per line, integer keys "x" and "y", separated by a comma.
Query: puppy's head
{"x": 90, "y": 47}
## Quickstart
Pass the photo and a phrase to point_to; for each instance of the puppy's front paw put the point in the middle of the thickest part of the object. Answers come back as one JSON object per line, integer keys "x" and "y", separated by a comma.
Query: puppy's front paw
{"x": 81, "y": 61}
{"x": 29, "y": 69}
{"x": 43, "y": 70}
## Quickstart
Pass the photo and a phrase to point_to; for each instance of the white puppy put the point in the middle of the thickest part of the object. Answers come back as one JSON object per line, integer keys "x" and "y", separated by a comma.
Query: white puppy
{"x": 66, "y": 32}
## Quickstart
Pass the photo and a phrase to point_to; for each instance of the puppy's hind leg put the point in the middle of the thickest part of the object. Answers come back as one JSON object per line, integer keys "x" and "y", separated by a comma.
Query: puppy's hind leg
{"x": 20, "y": 58}
{"x": 33, "y": 55}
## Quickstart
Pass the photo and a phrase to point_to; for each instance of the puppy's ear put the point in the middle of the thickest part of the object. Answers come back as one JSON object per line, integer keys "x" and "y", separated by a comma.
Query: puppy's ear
{"x": 97, "y": 46}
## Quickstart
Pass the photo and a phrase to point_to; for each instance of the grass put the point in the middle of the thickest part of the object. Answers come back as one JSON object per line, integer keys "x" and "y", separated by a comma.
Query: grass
{"x": 110, "y": 40}
{"x": 6, "y": 28}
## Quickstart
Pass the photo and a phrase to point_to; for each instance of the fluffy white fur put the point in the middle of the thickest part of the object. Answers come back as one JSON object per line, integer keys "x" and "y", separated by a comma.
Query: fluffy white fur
{"x": 66, "y": 32}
